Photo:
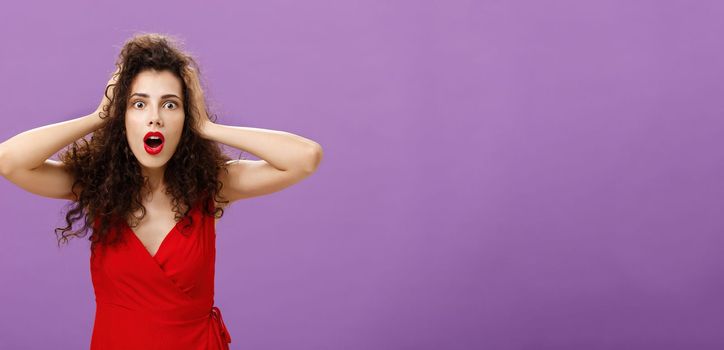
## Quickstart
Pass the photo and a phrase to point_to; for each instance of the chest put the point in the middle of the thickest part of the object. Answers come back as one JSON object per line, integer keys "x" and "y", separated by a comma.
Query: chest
{"x": 149, "y": 265}
{"x": 155, "y": 226}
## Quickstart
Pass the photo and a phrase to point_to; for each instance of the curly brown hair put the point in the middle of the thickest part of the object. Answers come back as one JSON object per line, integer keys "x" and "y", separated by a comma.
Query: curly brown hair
{"x": 108, "y": 176}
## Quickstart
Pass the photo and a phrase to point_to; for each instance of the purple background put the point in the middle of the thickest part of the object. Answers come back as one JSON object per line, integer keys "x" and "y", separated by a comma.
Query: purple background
{"x": 496, "y": 174}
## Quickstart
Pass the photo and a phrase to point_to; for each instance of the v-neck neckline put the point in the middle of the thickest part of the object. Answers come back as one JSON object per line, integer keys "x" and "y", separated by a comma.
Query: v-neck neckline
{"x": 163, "y": 241}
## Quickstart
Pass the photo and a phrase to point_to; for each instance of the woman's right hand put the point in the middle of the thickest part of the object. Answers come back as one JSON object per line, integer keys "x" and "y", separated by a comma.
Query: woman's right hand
{"x": 104, "y": 106}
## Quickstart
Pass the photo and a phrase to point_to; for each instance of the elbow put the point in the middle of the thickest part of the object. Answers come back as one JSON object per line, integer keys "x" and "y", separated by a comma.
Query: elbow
{"x": 4, "y": 166}
{"x": 314, "y": 158}
{"x": 6, "y": 161}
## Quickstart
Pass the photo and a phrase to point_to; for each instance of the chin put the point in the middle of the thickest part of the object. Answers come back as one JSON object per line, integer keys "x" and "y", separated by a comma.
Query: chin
{"x": 151, "y": 161}
{"x": 154, "y": 165}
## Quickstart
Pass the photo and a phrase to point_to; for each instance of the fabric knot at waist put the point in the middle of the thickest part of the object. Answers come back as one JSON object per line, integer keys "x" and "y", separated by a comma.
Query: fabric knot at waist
{"x": 222, "y": 332}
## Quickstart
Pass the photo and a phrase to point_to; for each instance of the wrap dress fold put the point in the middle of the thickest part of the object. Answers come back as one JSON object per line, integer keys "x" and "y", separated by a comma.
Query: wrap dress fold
{"x": 164, "y": 301}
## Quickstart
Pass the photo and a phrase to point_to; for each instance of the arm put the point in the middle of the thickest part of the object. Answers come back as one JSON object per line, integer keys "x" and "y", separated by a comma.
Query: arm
{"x": 29, "y": 149}
{"x": 24, "y": 157}
{"x": 286, "y": 158}
{"x": 282, "y": 150}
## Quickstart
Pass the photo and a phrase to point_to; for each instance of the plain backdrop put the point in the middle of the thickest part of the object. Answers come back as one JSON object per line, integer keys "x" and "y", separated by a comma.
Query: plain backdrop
{"x": 496, "y": 174}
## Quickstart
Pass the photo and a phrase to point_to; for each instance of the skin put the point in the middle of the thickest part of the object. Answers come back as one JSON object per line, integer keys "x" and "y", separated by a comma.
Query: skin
{"x": 286, "y": 158}
{"x": 152, "y": 113}
{"x": 144, "y": 114}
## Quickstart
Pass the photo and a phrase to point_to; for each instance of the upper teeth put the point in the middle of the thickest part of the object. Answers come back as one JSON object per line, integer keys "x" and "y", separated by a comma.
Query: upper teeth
{"x": 154, "y": 138}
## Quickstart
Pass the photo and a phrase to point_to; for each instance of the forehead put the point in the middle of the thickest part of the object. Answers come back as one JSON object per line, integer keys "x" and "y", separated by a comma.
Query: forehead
{"x": 156, "y": 83}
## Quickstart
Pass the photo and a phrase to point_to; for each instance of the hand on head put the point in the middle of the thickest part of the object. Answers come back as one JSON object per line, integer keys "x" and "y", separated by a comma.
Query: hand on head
{"x": 196, "y": 95}
{"x": 104, "y": 106}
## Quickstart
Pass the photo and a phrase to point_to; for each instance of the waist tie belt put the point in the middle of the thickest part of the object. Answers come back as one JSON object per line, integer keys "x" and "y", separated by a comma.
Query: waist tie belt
{"x": 223, "y": 332}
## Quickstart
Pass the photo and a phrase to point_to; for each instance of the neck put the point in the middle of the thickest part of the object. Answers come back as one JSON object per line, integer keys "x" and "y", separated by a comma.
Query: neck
{"x": 155, "y": 179}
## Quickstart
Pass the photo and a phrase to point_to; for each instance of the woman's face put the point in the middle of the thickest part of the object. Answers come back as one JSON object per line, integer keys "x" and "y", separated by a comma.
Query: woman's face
{"x": 154, "y": 117}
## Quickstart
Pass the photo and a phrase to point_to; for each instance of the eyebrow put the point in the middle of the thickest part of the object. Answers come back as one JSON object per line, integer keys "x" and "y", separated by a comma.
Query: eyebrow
{"x": 147, "y": 96}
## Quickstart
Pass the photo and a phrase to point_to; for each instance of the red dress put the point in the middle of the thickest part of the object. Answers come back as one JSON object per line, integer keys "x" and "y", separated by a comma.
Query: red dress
{"x": 165, "y": 301}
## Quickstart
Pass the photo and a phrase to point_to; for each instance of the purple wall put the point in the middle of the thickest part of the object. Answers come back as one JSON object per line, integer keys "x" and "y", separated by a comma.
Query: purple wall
{"x": 496, "y": 174}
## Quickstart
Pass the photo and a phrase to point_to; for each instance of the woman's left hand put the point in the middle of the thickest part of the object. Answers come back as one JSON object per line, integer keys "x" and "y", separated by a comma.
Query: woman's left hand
{"x": 196, "y": 98}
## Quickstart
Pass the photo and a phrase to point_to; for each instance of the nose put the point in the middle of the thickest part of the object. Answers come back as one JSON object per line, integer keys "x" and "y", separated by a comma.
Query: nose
{"x": 155, "y": 119}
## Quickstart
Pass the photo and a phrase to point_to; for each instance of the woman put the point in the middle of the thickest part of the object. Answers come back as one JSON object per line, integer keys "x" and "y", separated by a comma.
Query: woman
{"x": 148, "y": 184}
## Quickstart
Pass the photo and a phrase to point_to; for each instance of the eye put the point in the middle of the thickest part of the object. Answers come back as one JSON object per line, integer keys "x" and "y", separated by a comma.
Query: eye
{"x": 173, "y": 104}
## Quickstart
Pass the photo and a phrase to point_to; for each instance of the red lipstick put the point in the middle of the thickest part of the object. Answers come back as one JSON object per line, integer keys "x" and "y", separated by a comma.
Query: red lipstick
{"x": 153, "y": 142}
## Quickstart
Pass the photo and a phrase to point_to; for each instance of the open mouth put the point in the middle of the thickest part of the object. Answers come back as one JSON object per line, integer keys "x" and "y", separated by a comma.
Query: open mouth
{"x": 153, "y": 142}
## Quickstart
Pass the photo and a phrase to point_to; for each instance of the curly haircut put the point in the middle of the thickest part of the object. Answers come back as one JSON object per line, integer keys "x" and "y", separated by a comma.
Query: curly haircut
{"x": 108, "y": 178}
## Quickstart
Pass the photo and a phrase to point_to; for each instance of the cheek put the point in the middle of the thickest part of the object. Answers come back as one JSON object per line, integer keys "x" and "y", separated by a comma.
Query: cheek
{"x": 173, "y": 139}
{"x": 131, "y": 133}
{"x": 174, "y": 131}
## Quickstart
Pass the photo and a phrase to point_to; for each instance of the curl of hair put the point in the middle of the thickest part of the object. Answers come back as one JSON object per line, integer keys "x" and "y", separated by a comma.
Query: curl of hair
{"x": 109, "y": 185}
